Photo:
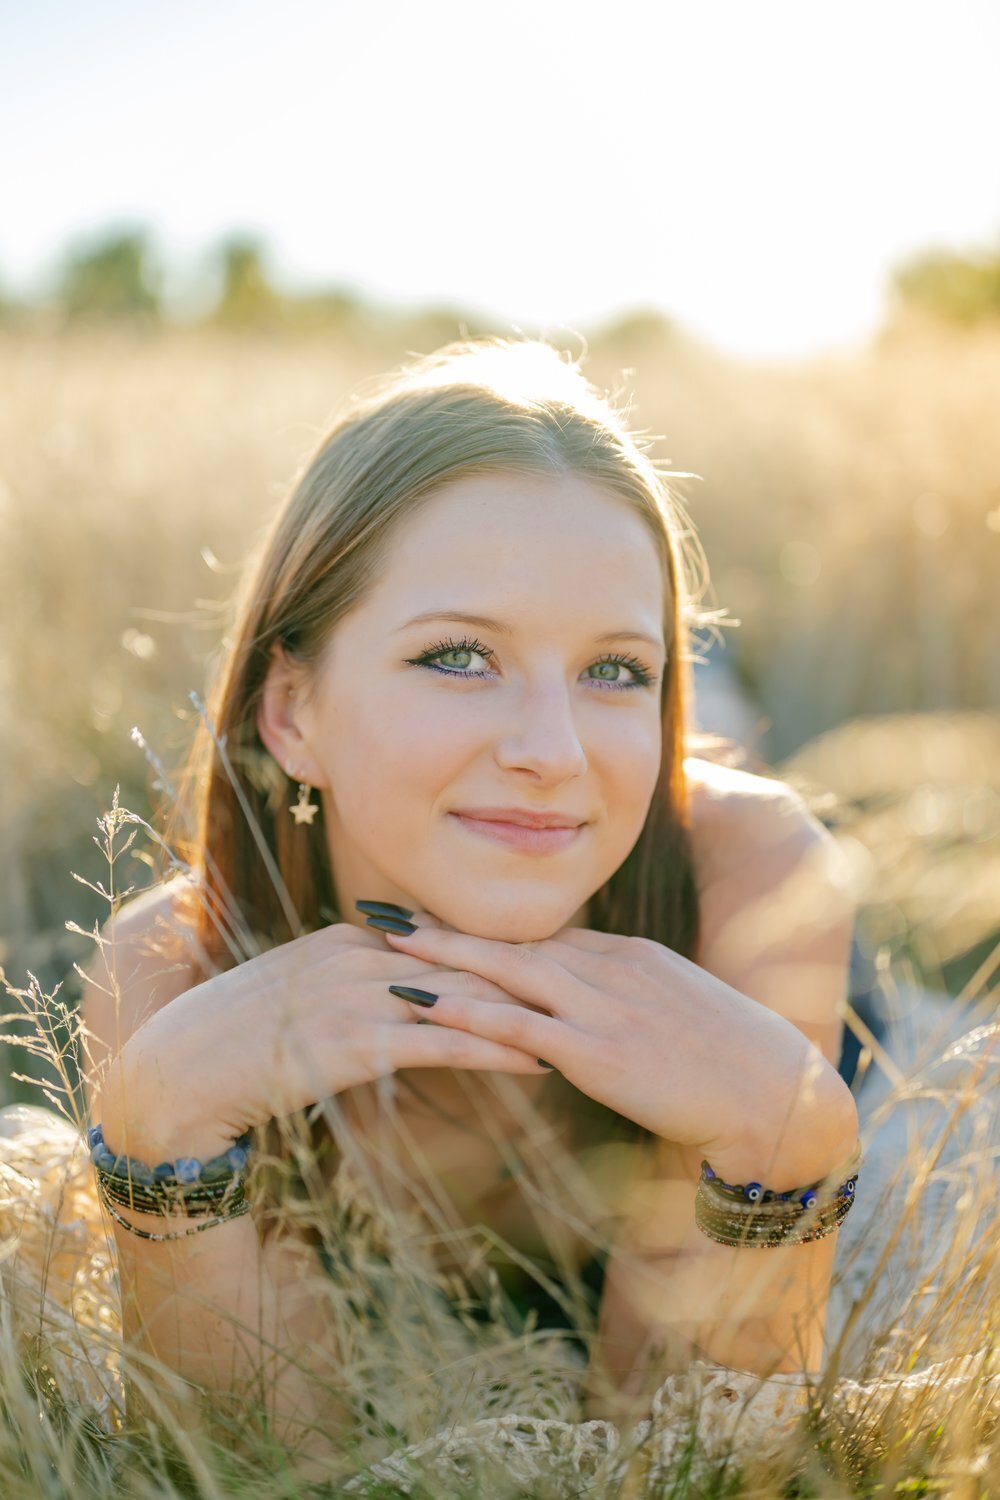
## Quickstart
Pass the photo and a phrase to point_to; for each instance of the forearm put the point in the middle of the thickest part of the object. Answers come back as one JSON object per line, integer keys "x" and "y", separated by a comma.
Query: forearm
{"x": 673, "y": 1295}
{"x": 663, "y": 1306}
{"x": 215, "y": 1318}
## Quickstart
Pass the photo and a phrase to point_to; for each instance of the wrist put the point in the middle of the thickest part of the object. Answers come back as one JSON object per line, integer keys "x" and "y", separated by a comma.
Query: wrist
{"x": 814, "y": 1136}
{"x": 144, "y": 1115}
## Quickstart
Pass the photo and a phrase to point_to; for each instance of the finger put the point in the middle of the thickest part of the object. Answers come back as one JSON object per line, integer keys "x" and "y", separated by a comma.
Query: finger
{"x": 436, "y": 979}
{"x": 392, "y": 911}
{"x": 583, "y": 959}
{"x": 443, "y": 1047}
{"x": 585, "y": 939}
{"x": 523, "y": 971}
{"x": 510, "y": 1025}
{"x": 588, "y": 964}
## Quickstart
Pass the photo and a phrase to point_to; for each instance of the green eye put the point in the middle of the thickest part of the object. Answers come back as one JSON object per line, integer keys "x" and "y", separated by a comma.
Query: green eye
{"x": 436, "y": 655}
{"x": 456, "y": 652}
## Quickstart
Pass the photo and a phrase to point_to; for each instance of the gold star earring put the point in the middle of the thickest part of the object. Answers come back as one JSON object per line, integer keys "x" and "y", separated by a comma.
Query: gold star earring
{"x": 304, "y": 810}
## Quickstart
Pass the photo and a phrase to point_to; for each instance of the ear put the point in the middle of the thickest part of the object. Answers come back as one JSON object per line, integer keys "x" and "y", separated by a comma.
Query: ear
{"x": 279, "y": 713}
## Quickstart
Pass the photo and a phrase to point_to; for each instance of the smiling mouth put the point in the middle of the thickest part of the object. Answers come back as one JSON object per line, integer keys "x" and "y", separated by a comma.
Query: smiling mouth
{"x": 518, "y": 837}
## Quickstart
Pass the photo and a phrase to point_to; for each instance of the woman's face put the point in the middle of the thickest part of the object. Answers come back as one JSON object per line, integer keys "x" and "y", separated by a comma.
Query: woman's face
{"x": 413, "y": 721}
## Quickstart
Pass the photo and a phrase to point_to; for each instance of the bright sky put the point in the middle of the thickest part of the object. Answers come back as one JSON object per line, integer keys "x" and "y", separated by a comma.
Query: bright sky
{"x": 751, "y": 167}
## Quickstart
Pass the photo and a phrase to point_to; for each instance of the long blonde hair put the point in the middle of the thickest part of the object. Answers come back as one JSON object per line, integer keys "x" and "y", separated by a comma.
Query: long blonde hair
{"x": 477, "y": 406}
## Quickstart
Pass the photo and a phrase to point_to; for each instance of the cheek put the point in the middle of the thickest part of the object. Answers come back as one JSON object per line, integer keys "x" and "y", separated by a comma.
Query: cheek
{"x": 390, "y": 756}
{"x": 630, "y": 753}
{"x": 629, "y": 771}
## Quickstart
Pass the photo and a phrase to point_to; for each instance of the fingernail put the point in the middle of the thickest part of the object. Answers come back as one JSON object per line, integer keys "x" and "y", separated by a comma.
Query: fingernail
{"x": 382, "y": 909}
{"x": 407, "y": 992}
{"x": 391, "y": 924}
{"x": 543, "y": 1064}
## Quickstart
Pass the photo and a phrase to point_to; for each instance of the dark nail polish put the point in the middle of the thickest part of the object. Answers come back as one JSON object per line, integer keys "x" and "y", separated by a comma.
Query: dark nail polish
{"x": 391, "y": 924}
{"x": 382, "y": 909}
{"x": 418, "y": 997}
{"x": 543, "y": 1064}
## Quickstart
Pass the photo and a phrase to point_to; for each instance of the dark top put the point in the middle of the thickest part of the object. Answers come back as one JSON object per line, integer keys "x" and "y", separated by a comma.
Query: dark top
{"x": 522, "y": 1292}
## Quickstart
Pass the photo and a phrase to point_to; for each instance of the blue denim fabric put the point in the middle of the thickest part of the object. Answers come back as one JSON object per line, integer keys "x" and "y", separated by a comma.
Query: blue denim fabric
{"x": 866, "y": 999}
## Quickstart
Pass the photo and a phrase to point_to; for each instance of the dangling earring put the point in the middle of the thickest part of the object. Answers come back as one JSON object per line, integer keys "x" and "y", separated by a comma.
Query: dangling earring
{"x": 304, "y": 810}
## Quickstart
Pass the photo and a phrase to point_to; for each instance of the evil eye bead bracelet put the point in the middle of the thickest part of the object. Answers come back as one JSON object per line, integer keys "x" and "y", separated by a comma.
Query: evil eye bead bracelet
{"x": 750, "y": 1215}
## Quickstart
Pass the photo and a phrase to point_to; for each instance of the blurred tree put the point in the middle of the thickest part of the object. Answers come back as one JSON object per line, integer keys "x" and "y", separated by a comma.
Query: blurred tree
{"x": 247, "y": 298}
{"x": 959, "y": 288}
{"x": 641, "y": 325}
{"x": 9, "y": 309}
{"x": 111, "y": 278}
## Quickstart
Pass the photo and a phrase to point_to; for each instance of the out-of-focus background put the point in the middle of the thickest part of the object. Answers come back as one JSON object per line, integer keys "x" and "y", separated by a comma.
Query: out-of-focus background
{"x": 777, "y": 226}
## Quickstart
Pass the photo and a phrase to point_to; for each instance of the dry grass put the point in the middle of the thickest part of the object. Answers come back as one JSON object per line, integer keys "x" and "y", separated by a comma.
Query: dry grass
{"x": 922, "y": 1418}
{"x": 850, "y": 511}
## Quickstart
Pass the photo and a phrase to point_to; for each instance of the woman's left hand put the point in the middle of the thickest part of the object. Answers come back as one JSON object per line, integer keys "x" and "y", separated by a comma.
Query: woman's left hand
{"x": 650, "y": 1035}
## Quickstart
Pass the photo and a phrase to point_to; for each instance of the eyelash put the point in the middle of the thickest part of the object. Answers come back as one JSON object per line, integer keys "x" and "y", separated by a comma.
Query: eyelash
{"x": 444, "y": 648}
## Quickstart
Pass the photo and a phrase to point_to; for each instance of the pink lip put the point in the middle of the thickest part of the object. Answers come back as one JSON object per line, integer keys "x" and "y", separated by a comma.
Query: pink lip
{"x": 519, "y": 815}
{"x": 517, "y": 836}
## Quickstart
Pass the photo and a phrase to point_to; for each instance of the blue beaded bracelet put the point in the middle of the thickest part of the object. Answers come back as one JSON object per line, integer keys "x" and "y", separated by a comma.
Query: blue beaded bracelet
{"x": 750, "y": 1215}
{"x": 752, "y": 1192}
{"x": 185, "y": 1169}
{"x": 186, "y": 1180}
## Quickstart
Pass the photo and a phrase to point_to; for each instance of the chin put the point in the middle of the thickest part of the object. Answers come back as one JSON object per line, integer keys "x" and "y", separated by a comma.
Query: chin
{"x": 519, "y": 932}
{"x": 508, "y": 927}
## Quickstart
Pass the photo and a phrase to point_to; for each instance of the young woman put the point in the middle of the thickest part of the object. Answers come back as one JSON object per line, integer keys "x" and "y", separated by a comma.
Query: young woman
{"x": 460, "y": 886}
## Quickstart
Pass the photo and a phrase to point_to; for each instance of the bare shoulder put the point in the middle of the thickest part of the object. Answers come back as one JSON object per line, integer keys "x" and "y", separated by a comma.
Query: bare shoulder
{"x": 155, "y": 927}
{"x": 755, "y": 841}
{"x": 146, "y": 958}
{"x": 776, "y": 897}
{"x": 743, "y": 825}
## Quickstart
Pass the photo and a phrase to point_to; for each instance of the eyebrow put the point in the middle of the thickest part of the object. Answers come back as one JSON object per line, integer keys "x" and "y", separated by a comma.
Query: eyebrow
{"x": 499, "y": 628}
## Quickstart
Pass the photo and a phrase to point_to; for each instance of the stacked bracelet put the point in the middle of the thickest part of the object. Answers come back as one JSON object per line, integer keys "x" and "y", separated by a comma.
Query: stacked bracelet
{"x": 750, "y": 1215}
{"x": 186, "y": 1186}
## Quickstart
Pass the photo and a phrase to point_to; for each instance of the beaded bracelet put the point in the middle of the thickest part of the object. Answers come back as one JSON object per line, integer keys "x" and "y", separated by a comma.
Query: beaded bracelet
{"x": 176, "y": 1234}
{"x": 751, "y": 1216}
{"x": 186, "y": 1186}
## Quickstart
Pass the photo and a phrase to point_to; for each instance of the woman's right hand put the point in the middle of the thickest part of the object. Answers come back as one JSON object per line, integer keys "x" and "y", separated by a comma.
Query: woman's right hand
{"x": 273, "y": 1035}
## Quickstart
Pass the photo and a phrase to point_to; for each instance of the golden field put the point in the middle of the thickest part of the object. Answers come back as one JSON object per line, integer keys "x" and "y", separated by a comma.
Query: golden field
{"x": 849, "y": 510}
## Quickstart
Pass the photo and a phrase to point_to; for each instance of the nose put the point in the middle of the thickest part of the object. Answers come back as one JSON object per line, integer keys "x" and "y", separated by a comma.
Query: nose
{"x": 544, "y": 739}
